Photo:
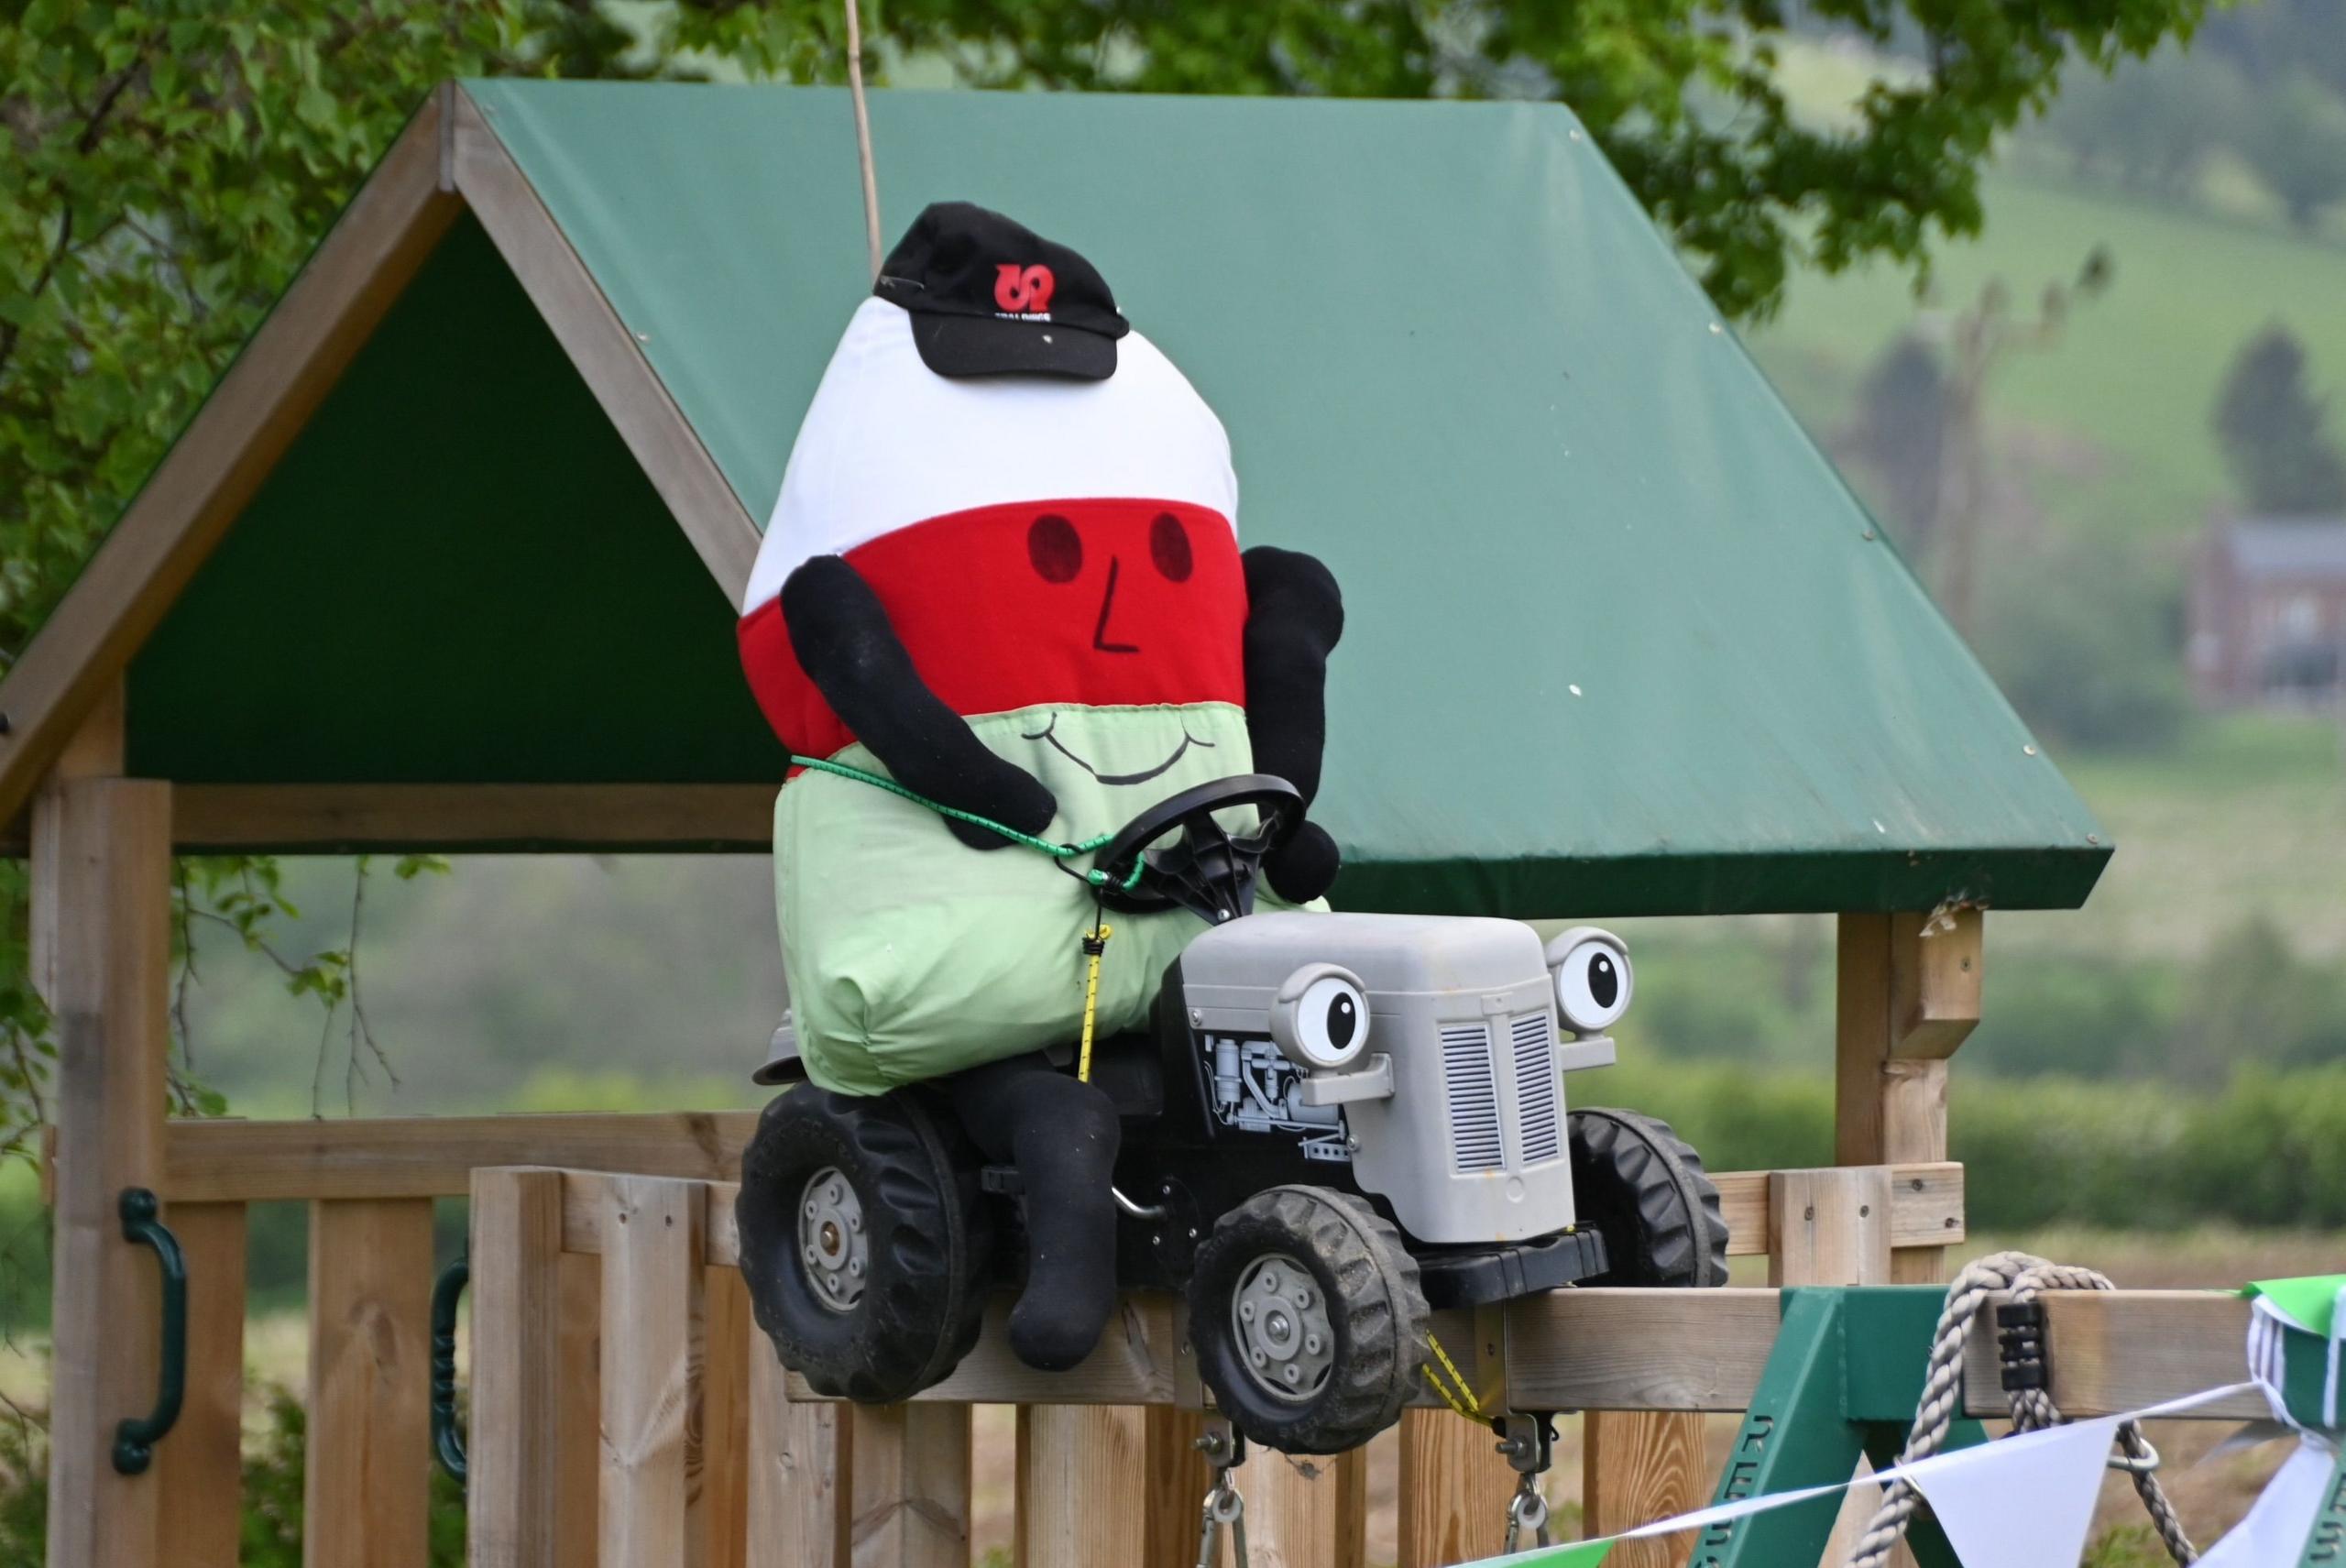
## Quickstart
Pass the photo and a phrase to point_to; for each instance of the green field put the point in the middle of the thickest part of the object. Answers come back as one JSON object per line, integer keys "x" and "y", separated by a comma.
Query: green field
{"x": 2248, "y": 818}
{"x": 2132, "y": 382}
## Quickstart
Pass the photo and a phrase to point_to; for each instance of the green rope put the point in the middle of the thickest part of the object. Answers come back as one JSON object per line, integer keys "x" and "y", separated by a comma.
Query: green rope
{"x": 1094, "y": 877}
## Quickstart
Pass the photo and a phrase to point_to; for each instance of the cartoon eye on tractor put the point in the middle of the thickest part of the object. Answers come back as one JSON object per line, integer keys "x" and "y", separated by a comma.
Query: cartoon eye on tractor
{"x": 1337, "y": 1124}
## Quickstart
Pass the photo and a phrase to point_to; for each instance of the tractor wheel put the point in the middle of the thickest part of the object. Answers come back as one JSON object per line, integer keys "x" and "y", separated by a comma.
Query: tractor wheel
{"x": 1643, "y": 1189}
{"x": 1307, "y": 1318}
{"x": 864, "y": 1242}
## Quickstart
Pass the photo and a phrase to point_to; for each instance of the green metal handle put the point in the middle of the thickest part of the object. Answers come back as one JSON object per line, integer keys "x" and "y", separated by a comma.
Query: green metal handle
{"x": 135, "y": 1437}
{"x": 447, "y": 1437}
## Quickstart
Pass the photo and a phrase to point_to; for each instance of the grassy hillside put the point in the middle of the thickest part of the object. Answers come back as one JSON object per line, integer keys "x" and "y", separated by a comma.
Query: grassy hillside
{"x": 2248, "y": 817}
{"x": 2138, "y": 369}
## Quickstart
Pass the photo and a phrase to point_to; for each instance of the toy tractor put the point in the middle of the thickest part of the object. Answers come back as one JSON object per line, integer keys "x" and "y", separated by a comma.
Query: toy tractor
{"x": 1337, "y": 1124}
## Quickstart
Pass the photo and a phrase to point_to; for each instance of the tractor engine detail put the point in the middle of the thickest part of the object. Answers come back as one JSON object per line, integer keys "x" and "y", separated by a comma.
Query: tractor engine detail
{"x": 1257, "y": 1089}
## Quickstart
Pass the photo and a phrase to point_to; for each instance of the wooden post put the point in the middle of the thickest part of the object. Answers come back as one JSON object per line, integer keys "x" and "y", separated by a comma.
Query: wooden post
{"x": 1303, "y": 1512}
{"x": 1176, "y": 1477}
{"x": 366, "y": 1487}
{"x": 801, "y": 1468}
{"x": 577, "y": 1437}
{"x": 1907, "y": 994}
{"x": 1832, "y": 1227}
{"x": 910, "y": 1487}
{"x": 1454, "y": 1488}
{"x": 200, "y": 1468}
{"x": 102, "y": 845}
{"x": 1637, "y": 1467}
{"x": 515, "y": 1496}
{"x": 651, "y": 1319}
{"x": 1078, "y": 1493}
{"x": 722, "y": 1477}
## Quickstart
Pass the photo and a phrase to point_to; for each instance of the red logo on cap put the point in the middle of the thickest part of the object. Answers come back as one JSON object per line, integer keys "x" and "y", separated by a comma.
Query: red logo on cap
{"x": 1023, "y": 291}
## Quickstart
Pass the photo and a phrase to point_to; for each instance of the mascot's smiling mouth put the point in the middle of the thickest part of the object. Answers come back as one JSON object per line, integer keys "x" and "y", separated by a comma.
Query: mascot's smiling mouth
{"x": 1045, "y": 733}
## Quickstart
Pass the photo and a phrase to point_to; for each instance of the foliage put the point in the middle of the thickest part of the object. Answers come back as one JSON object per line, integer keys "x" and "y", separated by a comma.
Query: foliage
{"x": 23, "y": 1489}
{"x": 2252, "y": 997}
{"x": 2275, "y": 38}
{"x": 2267, "y": 1149}
{"x": 1897, "y": 434}
{"x": 171, "y": 165}
{"x": 2153, "y": 128}
{"x": 2271, "y": 426}
{"x": 2298, "y": 146}
{"x": 1682, "y": 95}
{"x": 2127, "y": 1546}
{"x": 271, "y": 1527}
{"x": 2083, "y": 640}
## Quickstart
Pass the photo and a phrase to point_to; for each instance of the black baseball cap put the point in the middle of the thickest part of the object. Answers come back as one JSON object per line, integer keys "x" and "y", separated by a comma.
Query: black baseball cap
{"x": 991, "y": 297}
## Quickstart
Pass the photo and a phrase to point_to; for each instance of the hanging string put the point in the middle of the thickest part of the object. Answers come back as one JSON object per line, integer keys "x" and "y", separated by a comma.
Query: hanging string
{"x": 862, "y": 133}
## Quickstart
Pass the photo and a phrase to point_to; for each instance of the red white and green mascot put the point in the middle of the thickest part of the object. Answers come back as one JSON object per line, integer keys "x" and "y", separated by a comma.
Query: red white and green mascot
{"x": 1005, "y": 572}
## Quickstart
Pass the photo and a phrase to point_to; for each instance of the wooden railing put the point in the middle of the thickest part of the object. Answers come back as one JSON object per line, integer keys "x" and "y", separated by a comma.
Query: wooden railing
{"x": 370, "y": 1185}
{"x": 626, "y": 1412}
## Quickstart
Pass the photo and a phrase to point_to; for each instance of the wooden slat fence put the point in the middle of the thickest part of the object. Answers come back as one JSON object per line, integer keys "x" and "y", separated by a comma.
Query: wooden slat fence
{"x": 626, "y": 1410}
{"x": 544, "y": 1313}
{"x": 1104, "y": 1473}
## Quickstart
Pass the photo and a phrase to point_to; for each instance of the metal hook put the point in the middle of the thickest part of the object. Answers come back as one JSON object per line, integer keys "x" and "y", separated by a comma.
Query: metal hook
{"x": 1225, "y": 1450}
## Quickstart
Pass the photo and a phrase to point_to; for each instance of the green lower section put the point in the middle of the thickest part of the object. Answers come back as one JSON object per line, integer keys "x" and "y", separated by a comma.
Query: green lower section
{"x": 911, "y": 955}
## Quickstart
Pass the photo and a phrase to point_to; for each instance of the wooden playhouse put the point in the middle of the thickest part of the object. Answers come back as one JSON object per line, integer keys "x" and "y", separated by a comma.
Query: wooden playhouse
{"x": 1622, "y": 644}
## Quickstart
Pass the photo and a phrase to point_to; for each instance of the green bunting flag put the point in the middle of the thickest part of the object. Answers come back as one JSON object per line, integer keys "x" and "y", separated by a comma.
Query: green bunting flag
{"x": 1579, "y": 1554}
{"x": 2310, "y": 1302}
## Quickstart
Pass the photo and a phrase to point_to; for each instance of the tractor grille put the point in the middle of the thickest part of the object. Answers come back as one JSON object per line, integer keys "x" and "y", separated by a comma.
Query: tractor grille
{"x": 1474, "y": 1097}
{"x": 1535, "y": 1088}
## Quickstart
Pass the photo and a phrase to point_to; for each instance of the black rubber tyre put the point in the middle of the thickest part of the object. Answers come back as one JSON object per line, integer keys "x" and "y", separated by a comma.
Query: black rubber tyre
{"x": 1366, "y": 1285}
{"x": 1643, "y": 1189}
{"x": 926, "y": 1240}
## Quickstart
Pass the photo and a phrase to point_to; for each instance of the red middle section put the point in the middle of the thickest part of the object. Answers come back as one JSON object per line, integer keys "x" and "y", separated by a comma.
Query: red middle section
{"x": 1102, "y": 603}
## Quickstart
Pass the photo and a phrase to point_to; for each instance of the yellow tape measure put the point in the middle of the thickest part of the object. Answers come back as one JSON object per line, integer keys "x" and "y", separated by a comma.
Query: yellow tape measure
{"x": 1094, "y": 945}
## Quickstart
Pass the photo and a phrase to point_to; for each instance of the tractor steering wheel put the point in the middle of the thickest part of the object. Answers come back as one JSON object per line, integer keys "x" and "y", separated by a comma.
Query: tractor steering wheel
{"x": 1208, "y": 871}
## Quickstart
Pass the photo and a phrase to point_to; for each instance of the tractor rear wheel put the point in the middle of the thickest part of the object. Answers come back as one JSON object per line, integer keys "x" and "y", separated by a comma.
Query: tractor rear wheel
{"x": 1643, "y": 1189}
{"x": 864, "y": 1241}
{"x": 1308, "y": 1321}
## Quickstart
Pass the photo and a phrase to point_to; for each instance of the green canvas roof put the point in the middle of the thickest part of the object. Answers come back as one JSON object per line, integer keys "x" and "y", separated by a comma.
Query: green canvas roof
{"x": 1619, "y": 640}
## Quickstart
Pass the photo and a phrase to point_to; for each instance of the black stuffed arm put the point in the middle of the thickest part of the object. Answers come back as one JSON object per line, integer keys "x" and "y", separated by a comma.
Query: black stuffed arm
{"x": 849, "y": 649}
{"x": 1295, "y": 615}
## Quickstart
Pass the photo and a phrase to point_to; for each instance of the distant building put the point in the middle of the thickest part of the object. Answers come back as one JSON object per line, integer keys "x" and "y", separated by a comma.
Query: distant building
{"x": 2267, "y": 612}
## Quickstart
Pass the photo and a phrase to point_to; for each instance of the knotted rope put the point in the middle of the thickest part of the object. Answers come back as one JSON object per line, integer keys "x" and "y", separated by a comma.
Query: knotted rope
{"x": 2023, "y": 1277}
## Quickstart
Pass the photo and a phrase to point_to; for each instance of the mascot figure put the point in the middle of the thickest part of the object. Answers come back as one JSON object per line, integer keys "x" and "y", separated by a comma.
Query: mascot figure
{"x": 1004, "y": 573}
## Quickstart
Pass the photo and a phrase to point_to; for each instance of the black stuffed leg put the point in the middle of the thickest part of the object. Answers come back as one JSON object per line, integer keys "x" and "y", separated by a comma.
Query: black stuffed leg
{"x": 1295, "y": 615}
{"x": 1062, "y": 1134}
{"x": 849, "y": 649}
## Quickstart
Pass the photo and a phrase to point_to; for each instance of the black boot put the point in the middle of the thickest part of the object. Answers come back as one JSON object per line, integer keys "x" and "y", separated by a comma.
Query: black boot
{"x": 1062, "y": 1135}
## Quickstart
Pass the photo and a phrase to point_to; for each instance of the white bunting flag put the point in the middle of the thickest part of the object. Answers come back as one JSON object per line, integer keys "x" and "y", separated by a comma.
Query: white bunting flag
{"x": 2275, "y": 1529}
{"x": 2023, "y": 1502}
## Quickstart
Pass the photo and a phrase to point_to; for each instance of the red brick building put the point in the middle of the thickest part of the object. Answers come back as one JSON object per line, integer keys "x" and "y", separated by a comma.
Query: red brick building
{"x": 2267, "y": 612}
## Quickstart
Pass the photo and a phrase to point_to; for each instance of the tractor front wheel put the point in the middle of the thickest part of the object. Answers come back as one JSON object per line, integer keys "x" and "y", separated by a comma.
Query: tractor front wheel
{"x": 1308, "y": 1321}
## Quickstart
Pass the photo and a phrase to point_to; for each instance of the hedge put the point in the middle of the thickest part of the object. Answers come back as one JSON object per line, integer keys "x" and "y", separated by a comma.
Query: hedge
{"x": 2269, "y": 1149}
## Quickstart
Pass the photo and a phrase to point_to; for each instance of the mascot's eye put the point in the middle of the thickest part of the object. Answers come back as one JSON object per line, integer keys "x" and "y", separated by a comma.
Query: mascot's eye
{"x": 1168, "y": 546}
{"x": 1056, "y": 548}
